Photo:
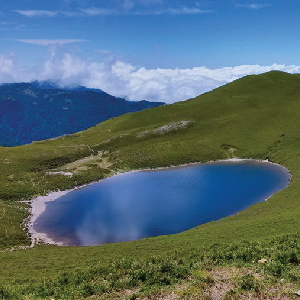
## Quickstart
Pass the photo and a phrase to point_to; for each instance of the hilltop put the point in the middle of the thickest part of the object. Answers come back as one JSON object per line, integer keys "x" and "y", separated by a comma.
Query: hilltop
{"x": 42, "y": 110}
{"x": 257, "y": 116}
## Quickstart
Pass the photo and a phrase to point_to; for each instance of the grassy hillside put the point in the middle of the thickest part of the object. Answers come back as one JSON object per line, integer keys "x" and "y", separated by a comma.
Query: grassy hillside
{"x": 254, "y": 117}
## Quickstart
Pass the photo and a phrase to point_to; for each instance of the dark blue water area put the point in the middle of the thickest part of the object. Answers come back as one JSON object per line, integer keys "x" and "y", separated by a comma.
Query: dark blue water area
{"x": 144, "y": 204}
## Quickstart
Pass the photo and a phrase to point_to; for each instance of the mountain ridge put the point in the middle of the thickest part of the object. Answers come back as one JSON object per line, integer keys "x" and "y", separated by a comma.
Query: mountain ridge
{"x": 29, "y": 112}
{"x": 48, "y": 84}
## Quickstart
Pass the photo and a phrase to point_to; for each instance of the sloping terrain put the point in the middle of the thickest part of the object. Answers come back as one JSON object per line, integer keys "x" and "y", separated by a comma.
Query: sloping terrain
{"x": 38, "y": 111}
{"x": 254, "y": 117}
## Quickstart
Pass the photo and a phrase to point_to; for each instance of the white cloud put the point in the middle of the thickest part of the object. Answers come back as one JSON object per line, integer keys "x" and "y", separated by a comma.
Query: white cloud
{"x": 126, "y": 9}
{"x": 10, "y": 71}
{"x": 174, "y": 11}
{"x": 253, "y": 6}
{"x": 136, "y": 83}
{"x": 65, "y": 68}
{"x": 187, "y": 11}
{"x": 37, "y": 13}
{"x": 51, "y": 42}
{"x": 122, "y": 79}
{"x": 97, "y": 12}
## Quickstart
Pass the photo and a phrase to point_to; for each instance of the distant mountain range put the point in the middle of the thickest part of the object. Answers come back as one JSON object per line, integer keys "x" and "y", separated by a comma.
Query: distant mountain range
{"x": 42, "y": 110}
{"x": 50, "y": 85}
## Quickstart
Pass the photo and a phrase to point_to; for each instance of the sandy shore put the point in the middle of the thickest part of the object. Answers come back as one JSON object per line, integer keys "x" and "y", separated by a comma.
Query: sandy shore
{"x": 38, "y": 204}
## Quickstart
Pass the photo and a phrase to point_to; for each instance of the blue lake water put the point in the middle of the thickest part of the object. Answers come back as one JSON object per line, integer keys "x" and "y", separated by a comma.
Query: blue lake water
{"x": 142, "y": 204}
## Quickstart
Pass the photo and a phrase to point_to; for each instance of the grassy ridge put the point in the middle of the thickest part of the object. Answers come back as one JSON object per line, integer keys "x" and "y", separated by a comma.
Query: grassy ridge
{"x": 254, "y": 117}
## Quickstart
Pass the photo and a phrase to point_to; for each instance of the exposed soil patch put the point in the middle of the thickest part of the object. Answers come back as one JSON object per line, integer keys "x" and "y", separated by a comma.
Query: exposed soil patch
{"x": 166, "y": 128}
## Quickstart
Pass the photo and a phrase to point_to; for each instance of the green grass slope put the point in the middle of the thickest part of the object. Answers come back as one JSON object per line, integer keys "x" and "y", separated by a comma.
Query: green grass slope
{"x": 254, "y": 117}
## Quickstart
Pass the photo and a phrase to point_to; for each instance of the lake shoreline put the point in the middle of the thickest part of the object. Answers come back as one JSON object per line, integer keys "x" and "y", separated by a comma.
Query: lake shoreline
{"x": 38, "y": 204}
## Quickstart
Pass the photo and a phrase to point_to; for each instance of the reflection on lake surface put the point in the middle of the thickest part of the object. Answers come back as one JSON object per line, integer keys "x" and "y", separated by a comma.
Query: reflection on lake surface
{"x": 149, "y": 203}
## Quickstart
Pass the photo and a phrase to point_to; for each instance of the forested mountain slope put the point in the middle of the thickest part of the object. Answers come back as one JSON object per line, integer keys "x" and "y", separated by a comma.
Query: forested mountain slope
{"x": 38, "y": 111}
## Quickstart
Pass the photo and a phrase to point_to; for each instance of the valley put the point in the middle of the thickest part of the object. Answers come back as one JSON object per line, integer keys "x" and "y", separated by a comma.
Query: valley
{"x": 256, "y": 117}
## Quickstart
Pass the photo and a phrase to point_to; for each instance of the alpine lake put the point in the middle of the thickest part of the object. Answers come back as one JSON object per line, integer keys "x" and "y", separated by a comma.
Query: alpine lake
{"x": 141, "y": 204}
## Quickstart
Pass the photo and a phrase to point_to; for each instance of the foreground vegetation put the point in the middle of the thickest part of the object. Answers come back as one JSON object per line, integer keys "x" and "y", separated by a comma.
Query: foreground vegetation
{"x": 256, "y": 270}
{"x": 254, "y": 117}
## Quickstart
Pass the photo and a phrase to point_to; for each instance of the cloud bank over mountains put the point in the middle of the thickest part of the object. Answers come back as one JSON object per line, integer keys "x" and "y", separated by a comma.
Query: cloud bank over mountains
{"x": 122, "y": 79}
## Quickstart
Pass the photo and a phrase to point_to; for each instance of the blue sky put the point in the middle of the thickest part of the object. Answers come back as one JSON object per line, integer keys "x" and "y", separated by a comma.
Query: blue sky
{"x": 164, "y": 41}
